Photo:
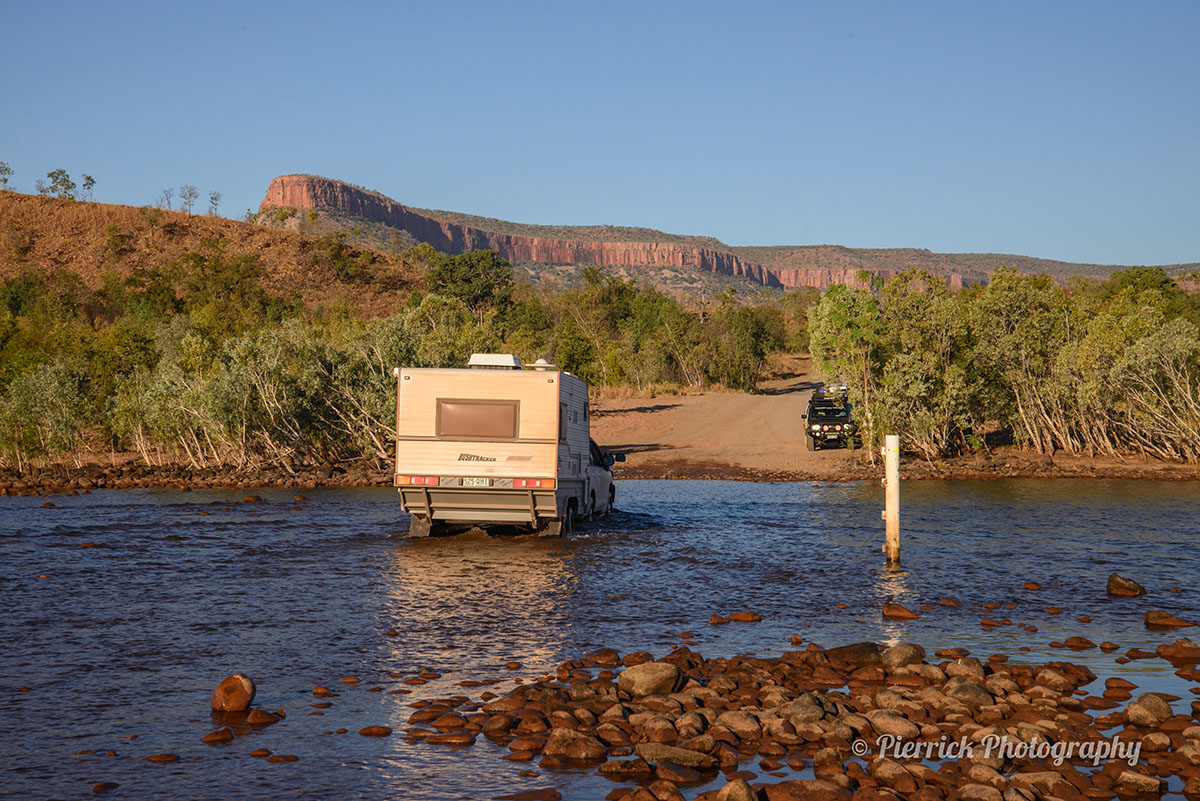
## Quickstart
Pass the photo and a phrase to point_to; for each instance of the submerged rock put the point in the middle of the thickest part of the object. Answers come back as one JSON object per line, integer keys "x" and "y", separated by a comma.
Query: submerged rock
{"x": 1125, "y": 587}
{"x": 1157, "y": 618}
{"x": 898, "y": 612}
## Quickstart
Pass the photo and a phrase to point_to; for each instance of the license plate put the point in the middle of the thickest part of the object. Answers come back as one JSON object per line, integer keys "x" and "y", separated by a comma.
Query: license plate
{"x": 832, "y": 436}
{"x": 477, "y": 482}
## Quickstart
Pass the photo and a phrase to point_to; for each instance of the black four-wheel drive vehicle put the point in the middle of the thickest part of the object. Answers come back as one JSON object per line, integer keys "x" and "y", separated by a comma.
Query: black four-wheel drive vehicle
{"x": 828, "y": 422}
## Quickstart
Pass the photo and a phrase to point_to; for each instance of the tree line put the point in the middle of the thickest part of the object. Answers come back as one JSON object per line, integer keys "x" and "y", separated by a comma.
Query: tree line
{"x": 198, "y": 362}
{"x": 1094, "y": 367}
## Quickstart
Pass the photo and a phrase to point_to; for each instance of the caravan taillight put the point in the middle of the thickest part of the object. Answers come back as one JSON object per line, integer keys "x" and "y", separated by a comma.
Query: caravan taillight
{"x": 417, "y": 481}
{"x": 533, "y": 483}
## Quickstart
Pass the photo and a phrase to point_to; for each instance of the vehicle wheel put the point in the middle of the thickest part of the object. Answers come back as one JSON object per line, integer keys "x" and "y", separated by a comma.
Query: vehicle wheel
{"x": 809, "y": 443}
{"x": 591, "y": 510}
{"x": 568, "y": 521}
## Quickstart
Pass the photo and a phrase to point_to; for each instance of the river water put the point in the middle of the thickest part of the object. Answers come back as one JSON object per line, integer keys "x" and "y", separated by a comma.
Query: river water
{"x": 116, "y": 647}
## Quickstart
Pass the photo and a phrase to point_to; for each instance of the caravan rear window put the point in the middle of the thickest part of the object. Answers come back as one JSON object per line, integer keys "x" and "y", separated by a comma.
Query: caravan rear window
{"x": 477, "y": 419}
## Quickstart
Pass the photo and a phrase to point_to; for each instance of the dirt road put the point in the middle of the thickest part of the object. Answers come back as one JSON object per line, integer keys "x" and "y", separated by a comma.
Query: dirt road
{"x": 761, "y": 437}
{"x": 722, "y": 434}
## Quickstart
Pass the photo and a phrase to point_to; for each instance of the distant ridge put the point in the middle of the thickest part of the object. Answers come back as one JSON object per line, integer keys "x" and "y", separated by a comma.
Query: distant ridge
{"x": 614, "y": 246}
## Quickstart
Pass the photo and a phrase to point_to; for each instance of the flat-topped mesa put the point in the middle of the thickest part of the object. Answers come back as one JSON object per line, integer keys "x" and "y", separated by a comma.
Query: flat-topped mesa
{"x": 311, "y": 192}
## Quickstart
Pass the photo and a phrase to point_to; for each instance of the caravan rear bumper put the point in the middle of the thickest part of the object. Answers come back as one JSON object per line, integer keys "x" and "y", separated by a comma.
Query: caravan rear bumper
{"x": 467, "y": 505}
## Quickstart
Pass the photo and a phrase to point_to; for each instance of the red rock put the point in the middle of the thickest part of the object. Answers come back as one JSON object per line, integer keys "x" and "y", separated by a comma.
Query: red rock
{"x": 104, "y": 787}
{"x": 951, "y": 603}
{"x": 375, "y": 731}
{"x": 898, "y": 612}
{"x": 717, "y": 620}
{"x": 234, "y": 694}
{"x": 258, "y": 717}
{"x": 745, "y": 617}
{"x": 952, "y": 653}
{"x": 805, "y": 790}
{"x": 1053, "y": 610}
{"x": 283, "y": 758}
{"x": 1121, "y": 586}
{"x": 546, "y": 794}
{"x": 451, "y": 738}
{"x": 1158, "y": 619}
{"x": 260, "y": 753}
{"x": 1079, "y": 643}
{"x": 1031, "y": 585}
{"x": 163, "y": 758}
{"x": 605, "y": 657}
{"x": 1180, "y": 651}
{"x": 222, "y": 735}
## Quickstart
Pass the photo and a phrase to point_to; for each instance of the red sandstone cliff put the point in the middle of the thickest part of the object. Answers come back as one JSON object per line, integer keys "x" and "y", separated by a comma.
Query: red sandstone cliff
{"x": 310, "y": 192}
{"x": 816, "y": 265}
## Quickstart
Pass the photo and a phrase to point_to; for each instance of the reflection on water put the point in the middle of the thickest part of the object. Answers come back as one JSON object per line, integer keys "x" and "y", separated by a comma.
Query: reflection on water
{"x": 458, "y": 590}
{"x": 127, "y": 637}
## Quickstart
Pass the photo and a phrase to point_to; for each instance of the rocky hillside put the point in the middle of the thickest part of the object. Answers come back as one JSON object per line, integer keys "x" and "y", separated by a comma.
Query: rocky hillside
{"x": 92, "y": 240}
{"x": 646, "y": 250}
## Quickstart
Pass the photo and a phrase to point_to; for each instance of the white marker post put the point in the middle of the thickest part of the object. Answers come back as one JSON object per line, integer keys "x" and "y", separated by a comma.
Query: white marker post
{"x": 891, "y": 486}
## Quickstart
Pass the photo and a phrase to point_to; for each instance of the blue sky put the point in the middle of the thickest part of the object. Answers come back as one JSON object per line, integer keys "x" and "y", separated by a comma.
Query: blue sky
{"x": 1062, "y": 130}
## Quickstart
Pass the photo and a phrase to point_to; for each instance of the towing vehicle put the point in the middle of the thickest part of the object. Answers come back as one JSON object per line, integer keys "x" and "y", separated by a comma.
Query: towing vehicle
{"x": 829, "y": 419}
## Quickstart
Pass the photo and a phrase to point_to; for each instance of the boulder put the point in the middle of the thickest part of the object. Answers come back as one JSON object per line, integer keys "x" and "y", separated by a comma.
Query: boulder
{"x": 905, "y": 653}
{"x": 1182, "y": 650}
{"x": 259, "y": 717}
{"x": 1158, "y": 619}
{"x": 885, "y": 721}
{"x": 898, "y": 612}
{"x": 1124, "y": 587}
{"x": 805, "y": 790}
{"x": 657, "y": 752}
{"x": 1134, "y": 783}
{"x": 968, "y": 693}
{"x": 743, "y": 724}
{"x": 855, "y": 656}
{"x": 1149, "y": 710}
{"x": 221, "y": 735}
{"x": 233, "y": 694}
{"x": 626, "y": 768}
{"x": 968, "y": 667}
{"x": 650, "y": 678}
{"x": 375, "y": 731}
{"x": 574, "y": 745}
{"x": 736, "y": 790}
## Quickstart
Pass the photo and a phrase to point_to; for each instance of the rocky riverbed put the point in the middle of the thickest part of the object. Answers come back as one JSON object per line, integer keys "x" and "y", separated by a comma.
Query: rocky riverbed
{"x": 864, "y": 721}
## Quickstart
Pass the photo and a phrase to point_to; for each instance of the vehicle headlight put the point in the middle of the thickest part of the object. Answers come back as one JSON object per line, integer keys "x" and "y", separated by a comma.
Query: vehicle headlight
{"x": 816, "y": 427}
{"x": 826, "y": 427}
{"x": 837, "y": 427}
